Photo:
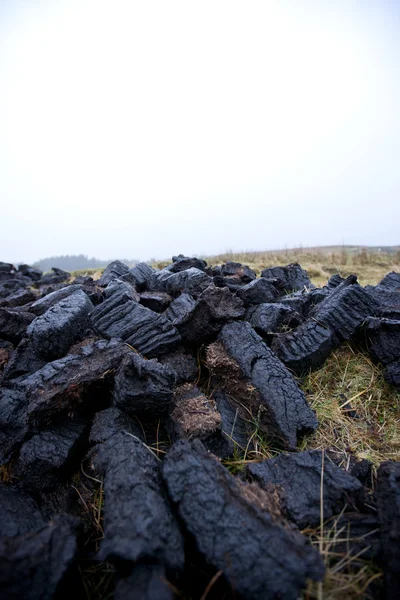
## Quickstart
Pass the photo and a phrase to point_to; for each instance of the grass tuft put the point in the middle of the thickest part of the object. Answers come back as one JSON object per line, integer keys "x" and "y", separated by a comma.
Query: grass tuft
{"x": 358, "y": 412}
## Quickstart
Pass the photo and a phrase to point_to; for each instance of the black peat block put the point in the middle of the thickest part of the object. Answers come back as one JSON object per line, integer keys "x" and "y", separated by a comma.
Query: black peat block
{"x": 271, "y": 393}
{"x": 298, "y": 477}
{"x": 138, "y": 519}
{"x": 388, "y": 503}
{"x": 258, "y": 557}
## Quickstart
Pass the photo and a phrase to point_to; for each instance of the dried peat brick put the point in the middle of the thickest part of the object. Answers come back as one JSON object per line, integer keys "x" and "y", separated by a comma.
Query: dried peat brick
{"x": 258, "y": 556}
{"x": 249, "y": 371}
{"x": 35, "y": 565}
{"x": 54, "y": 332}
{"x": 185, "y": 365}
{"x": 383, "y": 337}
{"x": 344, "y": 310}
{"x": 288, "y": 279}
{"x": 258, "y": 291}
{"x": 49, "y": 457}
{"x": 392, "y": 374}
{"x": 138, "y": 520}
{"x": 13, "y": 324}
{"x": 388, "y": 504}
{"x": 143, "y": 386}
{"x": 19, "y": 513}
{"x": 214, "y": 307}
{"x": 298, "y": 477}
{"x": 123, "y": 318}
{"x": 268, "y": 319}
{"x": 304, "y": 349}
{"x": 110, "y": 421}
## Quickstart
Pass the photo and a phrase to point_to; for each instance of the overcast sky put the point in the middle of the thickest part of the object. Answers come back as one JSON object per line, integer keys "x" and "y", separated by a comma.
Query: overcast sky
{"x": 143, "y": 129}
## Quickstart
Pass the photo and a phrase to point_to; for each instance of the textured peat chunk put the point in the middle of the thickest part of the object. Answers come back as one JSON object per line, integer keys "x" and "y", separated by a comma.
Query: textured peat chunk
{"x": 304, "y": 302}
{"x": 145, "y": 582}
{"x": 43, "y": 304}
{"x": 385, "y": 297}
{"x": 118, "y": 288}
{"x": 391, "y": 281}
{"x": 180, "y": 309}
{"x": 392, "y": 374}
{"x": 7, "y": 288}
{"x": 23, "y": 361}
{"x": 258, "y": 557}
{"x": 6, "y": 349}
{"x": 213, "y": 308}
{"x": 252, "y": 374}
{"x": 257, "y": 291}
{"x": 13, "y": 324}
{"x": 388, "y": 504}
{"x": 13, "y": 422}
{"x": 235, "y": 429}
{"x": 18, "y": 298}
{"x": 298, "y": 476}
{"x": 110, "y": 421}
{"x": 182, "y": 263}
{"x": 54, "y": 332}
{"x": 19, "y": 513}
{"x": 214, "y": 271}
{"x": 6, "y": 270}
{"x": 114, "y": 270}
{"x": 305, "y": 348}
{"x": 67, "y": 383}
{"x": 157, "y": 282}
{"x": 290, "y": 278}
{"x": 123, "y": 318}
{"x": 143, "y": 386}
{"x": 334, "y": 281}
{"x": 193, "y": 281}
{"x": 232, "y": 283}
{"x": 156, "y": 301}
{"x": 50, "y": 456}
{"x": 184, "y": 364}
{"x": 344, "y": 310}
{"x": 138, "y": 520}
{"x": 384, "y": 339}
{"x": 268, "y": 319}
{"x": 34, "y": 565}
{"x": 193, "y": 415}
{"x": 58, "y": 276}
{"x": 141, "y": 273}
{"x": 362, "y": 469}
{"x": 84, "y": 280}
{"x": 238, "y": 271}
{"x": 31, "y": 272}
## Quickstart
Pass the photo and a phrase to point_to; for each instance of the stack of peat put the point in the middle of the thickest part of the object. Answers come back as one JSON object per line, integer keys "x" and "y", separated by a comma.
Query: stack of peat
{"x": 95, "y": 375}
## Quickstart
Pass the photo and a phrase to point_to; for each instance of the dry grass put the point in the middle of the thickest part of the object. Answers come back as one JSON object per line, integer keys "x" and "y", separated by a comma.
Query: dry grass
{"x": 97, "y": 578}
{"x": 347, "y": 576}
{"x": 358, "y": 412}
{"x": 6, "y": 473}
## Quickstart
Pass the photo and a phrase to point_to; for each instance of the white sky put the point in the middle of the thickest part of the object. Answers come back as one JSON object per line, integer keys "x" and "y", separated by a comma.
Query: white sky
{"x": 147, "y": 128}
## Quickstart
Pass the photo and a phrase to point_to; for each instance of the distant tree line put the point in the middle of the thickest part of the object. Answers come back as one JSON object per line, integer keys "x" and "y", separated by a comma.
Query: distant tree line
{"x": 75, "y": 262}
